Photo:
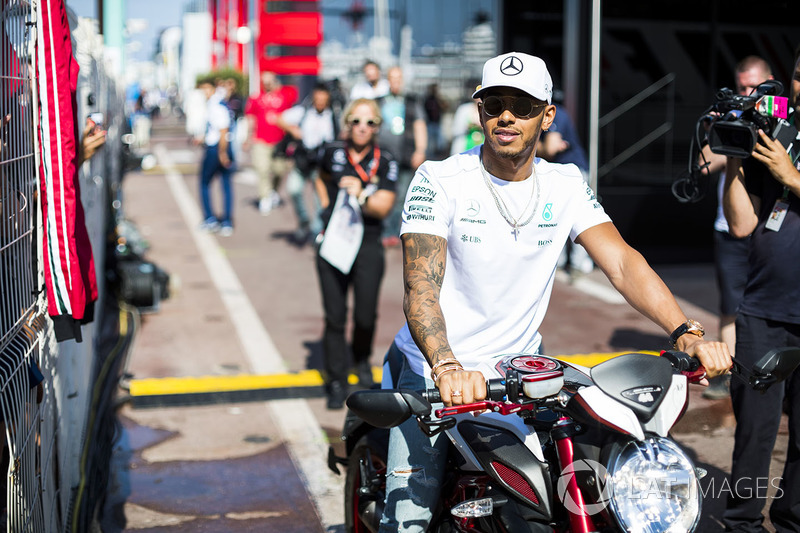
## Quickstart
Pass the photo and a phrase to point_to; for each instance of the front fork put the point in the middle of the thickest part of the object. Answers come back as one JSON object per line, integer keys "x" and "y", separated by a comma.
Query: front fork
{"x": 562, "y": 434}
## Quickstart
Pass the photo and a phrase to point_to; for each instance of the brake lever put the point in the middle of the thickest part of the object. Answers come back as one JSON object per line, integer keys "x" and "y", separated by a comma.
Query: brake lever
{"x": 504, "y": 408}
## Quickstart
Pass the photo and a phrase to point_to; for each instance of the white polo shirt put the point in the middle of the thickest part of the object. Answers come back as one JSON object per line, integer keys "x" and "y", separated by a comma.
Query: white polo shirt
{"x": 316, "y": 127}
{"x": 496, "y": 287}
{"x": 218, "y": 118}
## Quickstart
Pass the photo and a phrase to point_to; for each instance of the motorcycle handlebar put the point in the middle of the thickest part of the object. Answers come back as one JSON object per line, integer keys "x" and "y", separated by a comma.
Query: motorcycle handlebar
{"x": 497, "y": 389}
{"x": 681, "y": 361}
{"x": 432, "y": 395}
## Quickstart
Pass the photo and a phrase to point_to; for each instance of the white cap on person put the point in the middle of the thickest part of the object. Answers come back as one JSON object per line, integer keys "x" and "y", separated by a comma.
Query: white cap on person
{"x": 520, "y": 71}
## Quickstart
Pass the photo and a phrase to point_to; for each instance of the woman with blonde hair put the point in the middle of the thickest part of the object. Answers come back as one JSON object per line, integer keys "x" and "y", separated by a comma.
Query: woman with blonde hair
{"x": 356, "y": 188}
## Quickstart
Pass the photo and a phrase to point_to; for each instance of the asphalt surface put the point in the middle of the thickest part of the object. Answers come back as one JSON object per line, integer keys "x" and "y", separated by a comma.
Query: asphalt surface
{"x": 249, "y": 304}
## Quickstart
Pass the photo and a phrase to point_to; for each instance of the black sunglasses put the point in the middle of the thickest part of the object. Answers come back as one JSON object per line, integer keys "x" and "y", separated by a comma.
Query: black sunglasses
{"x": 371, "y": 123}
{"x": 521, "y": 106}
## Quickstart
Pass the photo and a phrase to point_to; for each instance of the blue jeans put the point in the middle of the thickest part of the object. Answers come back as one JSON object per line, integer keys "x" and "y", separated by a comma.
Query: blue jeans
{"x": 295, "y": 184}
{"x": 415, "y": 464}
{"x": 212, "y": 166}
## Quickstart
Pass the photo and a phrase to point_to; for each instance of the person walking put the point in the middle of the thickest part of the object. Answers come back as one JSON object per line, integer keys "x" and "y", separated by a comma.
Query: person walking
{"x": 262, "y": 112}
{"x": 356, "y": 187}
{"x": 435, "y": 107}
{"x": 310, "y": 126}
{"x": 405, "y": 135}
{"x": 217, "y": 159}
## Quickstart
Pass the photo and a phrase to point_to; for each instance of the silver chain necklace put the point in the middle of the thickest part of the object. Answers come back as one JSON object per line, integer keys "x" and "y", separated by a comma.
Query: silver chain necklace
{"x": 503, "y": 208}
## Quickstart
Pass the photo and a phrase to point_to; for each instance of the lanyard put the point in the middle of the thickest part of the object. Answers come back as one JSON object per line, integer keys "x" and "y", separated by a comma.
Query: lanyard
{"x": 373, "y": 167}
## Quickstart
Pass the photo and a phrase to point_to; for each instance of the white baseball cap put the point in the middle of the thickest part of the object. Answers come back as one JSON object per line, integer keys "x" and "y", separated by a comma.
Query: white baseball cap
{"x": 520, "y": 71}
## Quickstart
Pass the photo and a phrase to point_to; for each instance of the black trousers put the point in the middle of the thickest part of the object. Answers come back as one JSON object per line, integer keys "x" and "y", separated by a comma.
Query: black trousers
{"x": 365, "y": 278}
{"x": 757, "y": 419}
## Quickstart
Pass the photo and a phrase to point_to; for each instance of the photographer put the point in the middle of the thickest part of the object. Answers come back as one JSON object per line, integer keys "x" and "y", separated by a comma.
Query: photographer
{"x": 730, "y": 253}
{"x": 761, "y": 198}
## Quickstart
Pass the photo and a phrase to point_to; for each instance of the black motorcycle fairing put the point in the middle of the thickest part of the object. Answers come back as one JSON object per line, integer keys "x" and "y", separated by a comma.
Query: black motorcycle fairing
{"x": 636, "y": 380}
{"x": 387, "y": 408}
{"x": 496, "y": 448}
{"x": 517, "y": 517}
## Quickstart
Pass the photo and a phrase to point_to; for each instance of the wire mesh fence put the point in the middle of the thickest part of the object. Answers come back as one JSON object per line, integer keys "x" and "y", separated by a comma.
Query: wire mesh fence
{"x": 52, "y": 395}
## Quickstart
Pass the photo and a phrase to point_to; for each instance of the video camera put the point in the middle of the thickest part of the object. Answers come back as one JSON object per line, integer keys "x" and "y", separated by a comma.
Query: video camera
{"x": 734, "y": 132}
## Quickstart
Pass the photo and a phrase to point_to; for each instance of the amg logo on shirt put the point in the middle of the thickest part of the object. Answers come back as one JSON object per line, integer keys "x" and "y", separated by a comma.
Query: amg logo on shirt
{"x": 472, "y": 220}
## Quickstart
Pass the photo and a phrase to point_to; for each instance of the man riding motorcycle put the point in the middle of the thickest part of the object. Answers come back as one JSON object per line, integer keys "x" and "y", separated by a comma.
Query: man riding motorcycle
{"x": 482, "y": 232}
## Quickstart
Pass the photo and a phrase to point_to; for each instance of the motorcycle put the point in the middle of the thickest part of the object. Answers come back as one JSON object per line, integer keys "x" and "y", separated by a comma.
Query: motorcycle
{"x": 554, "y": 446}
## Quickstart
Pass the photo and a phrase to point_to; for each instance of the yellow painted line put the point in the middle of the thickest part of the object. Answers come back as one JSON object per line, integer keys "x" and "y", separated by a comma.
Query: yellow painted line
{"x": 592, "y": 359}
{"x": 305, "y": 378}
{"x": 240, "y": 382}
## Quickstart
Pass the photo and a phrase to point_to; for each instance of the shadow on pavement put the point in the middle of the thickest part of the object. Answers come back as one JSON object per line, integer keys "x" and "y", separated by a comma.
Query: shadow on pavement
{"x": 632, "y": 339}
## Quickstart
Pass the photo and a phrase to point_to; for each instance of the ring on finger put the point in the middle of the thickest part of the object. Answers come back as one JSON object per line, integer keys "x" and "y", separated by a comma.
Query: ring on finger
{"x": 456, "y": 393}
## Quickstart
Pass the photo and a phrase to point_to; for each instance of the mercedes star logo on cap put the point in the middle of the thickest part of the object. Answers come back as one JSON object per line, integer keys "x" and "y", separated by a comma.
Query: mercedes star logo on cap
{"x": 511, "y": 66}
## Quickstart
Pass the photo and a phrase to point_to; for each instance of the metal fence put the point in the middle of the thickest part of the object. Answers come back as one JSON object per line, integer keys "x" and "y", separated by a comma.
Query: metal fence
{"x": 54, "y": 397}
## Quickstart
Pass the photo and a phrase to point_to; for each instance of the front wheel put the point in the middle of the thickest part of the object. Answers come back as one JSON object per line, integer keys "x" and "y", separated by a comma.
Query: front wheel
{"x": 365, "y": 484}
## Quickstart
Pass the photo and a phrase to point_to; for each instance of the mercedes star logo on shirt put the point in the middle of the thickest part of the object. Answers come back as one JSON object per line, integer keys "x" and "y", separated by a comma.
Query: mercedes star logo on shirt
{"x": 473, "y": 208}
{"x": 511, "y": 66}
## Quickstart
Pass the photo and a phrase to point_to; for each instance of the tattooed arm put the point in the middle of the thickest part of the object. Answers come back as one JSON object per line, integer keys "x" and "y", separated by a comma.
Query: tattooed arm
{"x": 424, "y": 261}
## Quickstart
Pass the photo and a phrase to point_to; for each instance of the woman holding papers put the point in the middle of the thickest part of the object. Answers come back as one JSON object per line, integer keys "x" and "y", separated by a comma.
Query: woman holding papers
{"x": 356, "y": 187}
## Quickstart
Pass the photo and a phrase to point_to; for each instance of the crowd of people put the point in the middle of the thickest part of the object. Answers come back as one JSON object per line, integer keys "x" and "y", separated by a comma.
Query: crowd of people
{"x": 516, "y": 154}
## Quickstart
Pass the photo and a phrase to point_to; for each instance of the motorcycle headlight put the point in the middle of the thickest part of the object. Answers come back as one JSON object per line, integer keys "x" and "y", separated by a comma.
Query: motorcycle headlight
{"x": 654, "y": 488}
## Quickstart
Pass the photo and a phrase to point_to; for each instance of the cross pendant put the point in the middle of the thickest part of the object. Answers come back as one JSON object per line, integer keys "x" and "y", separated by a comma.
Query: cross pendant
{"x": 515, "y": 231}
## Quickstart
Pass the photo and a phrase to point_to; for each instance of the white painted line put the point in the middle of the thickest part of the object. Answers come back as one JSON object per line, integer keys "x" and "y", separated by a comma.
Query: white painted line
{"x": 304, "y": 437}
{"x": 607, "y": 294}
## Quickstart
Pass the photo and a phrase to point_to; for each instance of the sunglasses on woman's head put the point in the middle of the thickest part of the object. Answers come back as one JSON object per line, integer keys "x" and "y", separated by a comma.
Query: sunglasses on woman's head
{"x": 521, "y": 106}
{"x": 370, "y": 122}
